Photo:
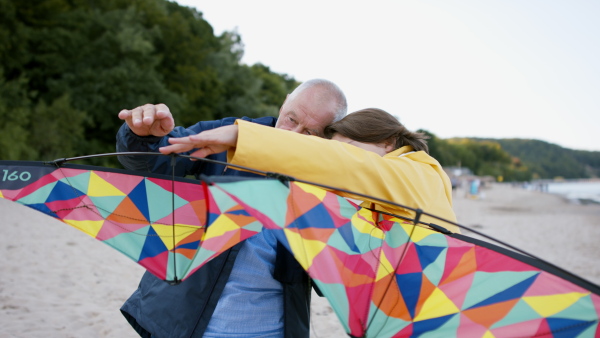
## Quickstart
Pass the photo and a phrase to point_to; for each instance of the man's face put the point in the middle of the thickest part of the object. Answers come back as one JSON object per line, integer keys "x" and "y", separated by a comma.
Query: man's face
{"x": 304, "y": 113}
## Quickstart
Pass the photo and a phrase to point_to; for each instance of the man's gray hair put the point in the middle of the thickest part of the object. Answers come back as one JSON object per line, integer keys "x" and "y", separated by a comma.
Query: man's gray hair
{"x": 331, "y": 89}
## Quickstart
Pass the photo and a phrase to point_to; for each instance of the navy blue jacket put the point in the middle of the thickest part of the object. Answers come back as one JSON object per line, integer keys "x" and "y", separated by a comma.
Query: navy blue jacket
{"x": 157, "y": 309}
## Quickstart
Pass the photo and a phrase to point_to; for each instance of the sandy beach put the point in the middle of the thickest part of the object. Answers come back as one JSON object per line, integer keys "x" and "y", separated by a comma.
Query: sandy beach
{"x": 58, "y": 282}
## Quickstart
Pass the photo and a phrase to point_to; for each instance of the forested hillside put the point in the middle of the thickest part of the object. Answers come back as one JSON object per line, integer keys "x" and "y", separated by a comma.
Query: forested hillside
{"x": 549, "y": 160}
{"x": 515, "y": 159}
{"x": 67, "y": 67}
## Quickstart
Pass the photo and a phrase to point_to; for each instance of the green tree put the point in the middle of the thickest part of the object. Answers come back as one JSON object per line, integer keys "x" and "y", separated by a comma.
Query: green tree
{"x": 15, "y": 113}
{"x": 68, "y": 66}
{"x": 48, "y": 122}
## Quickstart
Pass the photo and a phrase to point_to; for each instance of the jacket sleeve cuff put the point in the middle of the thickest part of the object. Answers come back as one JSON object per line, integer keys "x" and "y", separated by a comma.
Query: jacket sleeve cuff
{"x": 231, "y": 152}
{"x": 145, "y": 139}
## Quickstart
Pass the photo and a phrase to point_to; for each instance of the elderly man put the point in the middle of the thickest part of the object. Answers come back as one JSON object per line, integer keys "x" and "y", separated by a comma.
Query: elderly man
{"x": 254, "y": 289}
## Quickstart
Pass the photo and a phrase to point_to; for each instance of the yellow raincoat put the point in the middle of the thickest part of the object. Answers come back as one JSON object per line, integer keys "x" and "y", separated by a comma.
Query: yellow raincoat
{"x": 403, "y": 176}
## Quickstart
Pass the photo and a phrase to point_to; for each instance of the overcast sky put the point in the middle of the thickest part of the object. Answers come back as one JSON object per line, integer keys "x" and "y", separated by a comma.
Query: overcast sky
{"x": 457, "y": 68}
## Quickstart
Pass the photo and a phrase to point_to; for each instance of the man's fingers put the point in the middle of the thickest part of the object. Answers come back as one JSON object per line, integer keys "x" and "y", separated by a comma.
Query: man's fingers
{"x": 149, "y": 119}
{"x": 136, "y": 116}
{"x": 159, "y": 118}
{"x": 124, "y": 114}
{"x": 167, "y": 124}
{"x": 162, "y": 111}
{"x": 148, "y": 114}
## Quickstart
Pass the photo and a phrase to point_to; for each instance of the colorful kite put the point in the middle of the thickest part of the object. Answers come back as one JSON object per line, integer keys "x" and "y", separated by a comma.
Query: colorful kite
{"x": 384, "y": 276}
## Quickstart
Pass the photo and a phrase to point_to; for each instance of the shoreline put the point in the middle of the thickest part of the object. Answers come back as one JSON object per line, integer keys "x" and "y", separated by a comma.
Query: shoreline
{"x": 582, "y": 191}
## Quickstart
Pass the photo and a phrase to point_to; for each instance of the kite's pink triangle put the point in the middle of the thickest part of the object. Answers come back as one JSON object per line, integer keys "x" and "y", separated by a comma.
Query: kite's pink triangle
{"x": 331, "y": 264}
{"x": 324, "y": 275}
{"x": 395, "y": 255}
{"x": 62, "y": 172}
{"x": 366, "y": 264}
{"x": 227, "y": 239}
{"x": 544, "y": 328}
{"x": 11, "y": 195}
{"x": 156, "y": 264}
{"x": 492, "y": 261}
{"x": 185, "y": 215}
{"x": 163, "y": 183}
{"x": 122, "y": 182}
{"x": 406, "y": 331}
{"x": 190, "y": 191}
{"x": 111, "y": 229}
{"x": 360, "y": 299}
{"x": 458, "y": 289}
{"x": 247, "y": 233}
{"x": 596, "y": 301}
{"x": 547, "y": 284}
{"x": 217, "y": 242}
{"x": 410, "y": 261}
{"x": 78, "y": 209}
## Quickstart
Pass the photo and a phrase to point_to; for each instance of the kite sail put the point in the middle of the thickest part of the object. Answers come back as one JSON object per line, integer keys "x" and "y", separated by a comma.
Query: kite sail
{"x": 384, "y": 276}
{"x": 156, "y": 220}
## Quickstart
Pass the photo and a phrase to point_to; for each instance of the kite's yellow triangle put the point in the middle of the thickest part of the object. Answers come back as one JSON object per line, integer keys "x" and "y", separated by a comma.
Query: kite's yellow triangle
{"x": 306, "y": 249}
{"x": 549, "y": 305}
{"x": 89, "y": 227}
{"x": 437, "y": 305}
{"x": 98, "y": 187}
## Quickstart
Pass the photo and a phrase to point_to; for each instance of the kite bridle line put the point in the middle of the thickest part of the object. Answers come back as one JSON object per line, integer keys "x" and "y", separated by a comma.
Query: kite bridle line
{"x": 281, "y": 177}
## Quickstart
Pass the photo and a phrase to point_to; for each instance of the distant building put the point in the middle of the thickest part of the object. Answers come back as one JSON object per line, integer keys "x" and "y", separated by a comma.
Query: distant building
{"x": 458, "y": 171}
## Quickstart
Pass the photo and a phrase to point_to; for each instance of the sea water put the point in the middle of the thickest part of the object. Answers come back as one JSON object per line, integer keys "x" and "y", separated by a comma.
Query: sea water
{"x": 577, "y": 191}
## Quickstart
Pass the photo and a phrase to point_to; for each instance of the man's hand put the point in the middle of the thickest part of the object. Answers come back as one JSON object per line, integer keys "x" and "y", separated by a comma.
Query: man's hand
{"x": 207, "y": 142}
{"x": 149, "y": 120}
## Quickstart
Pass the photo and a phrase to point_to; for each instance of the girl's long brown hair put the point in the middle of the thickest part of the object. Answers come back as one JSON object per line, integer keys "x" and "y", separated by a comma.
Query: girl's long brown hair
{"x": 374, "y": 125}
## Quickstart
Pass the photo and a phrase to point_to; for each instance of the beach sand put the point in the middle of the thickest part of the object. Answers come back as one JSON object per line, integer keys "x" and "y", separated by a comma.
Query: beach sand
{"x": 58, "y": 282}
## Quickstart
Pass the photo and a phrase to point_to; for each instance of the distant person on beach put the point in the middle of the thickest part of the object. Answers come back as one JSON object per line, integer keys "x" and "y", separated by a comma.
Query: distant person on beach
{"x": 455, "y": 183}
{"x": 474, "y": 187}
{"x": 254, "y": 289}
{"x": 370, "y": 152}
